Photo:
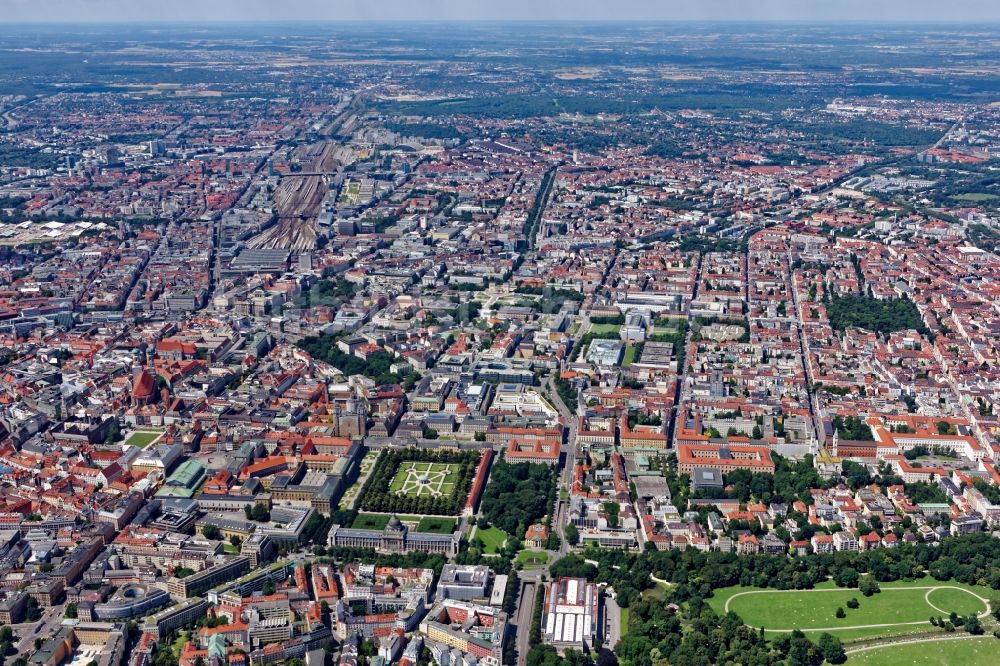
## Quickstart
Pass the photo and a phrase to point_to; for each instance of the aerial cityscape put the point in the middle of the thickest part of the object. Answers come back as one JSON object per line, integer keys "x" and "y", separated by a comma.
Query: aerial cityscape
{"x": 499, "y": 343}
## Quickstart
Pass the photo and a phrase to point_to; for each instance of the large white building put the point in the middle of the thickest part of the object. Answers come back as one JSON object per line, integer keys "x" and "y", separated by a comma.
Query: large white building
{"x": 570, "y": 614}
{"x": 515, "y": 399}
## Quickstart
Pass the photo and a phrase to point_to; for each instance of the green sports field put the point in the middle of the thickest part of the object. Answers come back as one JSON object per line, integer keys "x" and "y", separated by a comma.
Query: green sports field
{"x": 419, "y": 479}
{"x": 900, "y": 608}
{"x": 982, "y": 651}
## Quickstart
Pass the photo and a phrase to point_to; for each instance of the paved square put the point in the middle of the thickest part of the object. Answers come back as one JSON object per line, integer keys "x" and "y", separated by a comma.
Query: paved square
{"x": 419, "y": 479}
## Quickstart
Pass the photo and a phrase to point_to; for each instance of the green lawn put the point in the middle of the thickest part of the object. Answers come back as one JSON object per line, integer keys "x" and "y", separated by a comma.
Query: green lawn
{"x": 142, "y": 438}
{"x": 629, "y": 356}
{"x": 624, "y": 622}
{"x": 957, "y": 600}
{"x": 970, "y": 652}
{"x": 230, "y": 548}
{"x": 436, "y": 525}
{"x": 493, "y": 539}
{"x": 178, "y": 644}
{"x": 605, "y": 328}
{"x": 378, "y": 521}
{"x": 977, "y": 197}
{"x": 370, "y": 521}
{"x": 658, "y": 592}
{"x": 899, "y": 608}
{"x": 667, "y": 324}
{"x": 532, "y": 558}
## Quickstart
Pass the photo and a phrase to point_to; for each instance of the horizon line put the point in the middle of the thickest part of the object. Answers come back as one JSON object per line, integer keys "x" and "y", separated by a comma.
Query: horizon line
{"x": 299, "y": 21}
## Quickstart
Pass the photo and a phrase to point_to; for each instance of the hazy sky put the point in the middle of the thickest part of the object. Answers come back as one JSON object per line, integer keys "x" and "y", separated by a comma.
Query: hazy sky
{"x": 367, "y": 10}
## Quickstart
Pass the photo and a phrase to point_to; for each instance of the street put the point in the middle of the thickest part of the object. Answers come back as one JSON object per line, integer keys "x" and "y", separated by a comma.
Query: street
{"x": 522, "y": 623}
{"x": 612, "y": 628}
{"x": 45, "y": 628}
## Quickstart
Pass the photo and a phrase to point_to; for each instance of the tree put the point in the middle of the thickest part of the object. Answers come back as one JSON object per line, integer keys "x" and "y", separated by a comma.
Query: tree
{"x": 70, "y": 610}
{"x": 518, "y": 495}
{"x": 802, "y": 651}
{"x": 868, "y": 586}
{"x": 572, "y": 534}
{"x": 973, "y": 626}
{"x": 852, "y": 603}
{"x": 606, "y": 658}
{"x": 33, "y": 612}
{"x": 880, "y": 316}
{"x": 235, "y": 540}
{"x": 211, "y": 532}
{"x": 831, "y": 648}
{"x": 840, "y": 613}
{"x": 114, "y": 432}
{"x": 542, "y": 655}
{"x": 269, "y": 588}
{"x": 846, "y": 577}
{"x": 945, "y": 428}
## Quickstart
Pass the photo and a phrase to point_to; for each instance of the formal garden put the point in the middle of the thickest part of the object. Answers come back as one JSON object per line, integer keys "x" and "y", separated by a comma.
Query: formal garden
{"x": 421, "y": 482}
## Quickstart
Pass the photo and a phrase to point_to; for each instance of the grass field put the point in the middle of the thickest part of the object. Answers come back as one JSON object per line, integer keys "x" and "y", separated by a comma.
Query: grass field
{"x": 178, "y": 644}
{"x": 370, "y": 521}
{"x": 143, "y": 438}
{"x": 532, "y": 558}
{"x": 605, "y": 328}
{"x": 417, "y": 479}
{"x": 623, "y": 622}
{"x": 629, "y": 356}
{"x": 658, "y": 330}
{"x": 493, "y": 539}
{"x": 968, "y": 652}
{"x": 899, "y": 608}
{"x": 658, "y": 592}
{"x": 976, "y": 197}
{"x": 436, "y": 525}
{"x": 426, "y": 524}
